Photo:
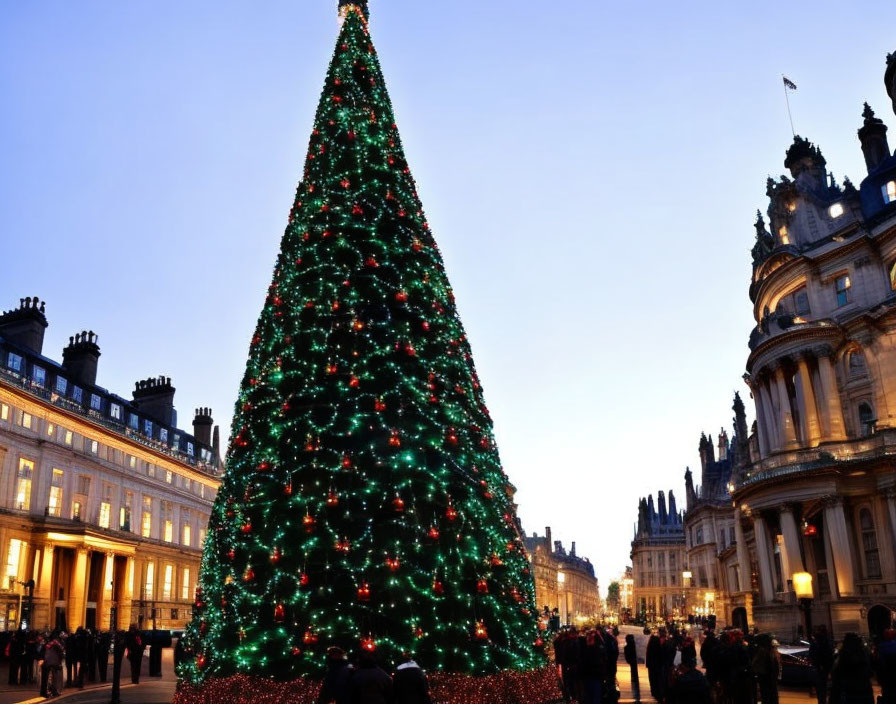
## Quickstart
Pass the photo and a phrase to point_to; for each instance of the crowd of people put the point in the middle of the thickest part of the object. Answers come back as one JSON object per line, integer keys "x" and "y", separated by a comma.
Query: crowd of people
{"x": 56, "y": 659}
{"x": 587, "y": 662}
{"x": 365, "y": 682}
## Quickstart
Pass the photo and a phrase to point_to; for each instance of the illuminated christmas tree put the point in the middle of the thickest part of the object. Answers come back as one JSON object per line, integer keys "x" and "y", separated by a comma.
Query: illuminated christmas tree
{"x": 364, "y": 503}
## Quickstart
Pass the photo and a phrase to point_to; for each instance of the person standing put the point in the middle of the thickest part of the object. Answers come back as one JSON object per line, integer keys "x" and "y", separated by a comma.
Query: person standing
{"x": 631, "y": 657}
{"x": 51, "y": 668}
{"x": 766, "y": 667}
{"x": 410, "y": 683}
{"x": 592, "y": 668}
{"x": 689, "y": 686}
{"x": 851, "y": 674}
{"x": 821, "y": 656}
{"x": 103, "y": 643}
{"x": 370, "y": 684}
{"x": 885, "y": 666}
{"x": 135, "y": 646}
{"x": 654, "y": 662}
{"x": 81, "y": 637}
{"x": 709, "y": 651}
{"x": 335, "y": 689}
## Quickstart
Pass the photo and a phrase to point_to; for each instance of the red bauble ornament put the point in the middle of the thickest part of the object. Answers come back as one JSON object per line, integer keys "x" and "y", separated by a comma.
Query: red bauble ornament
{"x": 310, "y": 637}
{"x": 379, "y": 406}
{"x": 332, "y": 369}
{"x": 309, "y": 523}
{"x": 279, "y": 613}
{"x": 394, "y": 439}
{"x": 481, "y": 633}
{"x": 810, "y": 531}
{"x": 368, "y": 644}
{"x": 357, "y": 209}
{"x": 354, "y": 382}
{"x": 393, "y": 563}
{"x": 231, "y": 554}
{"x": 496, "y": 561}
{"x": 346, "y": 462}
{"x": 433, "y": 533}
{"x": 332, "y": 499}
{"x": 539, "y": 642}
{"x": 296, "y": 651}
{"x": 201, "y": 662}
{"x": 401, "y": 296}
{"x": 343, "y": 546}
{"x": 248, "y": 575}
{"x": 275, "y": 556}
{"x": 451, "y": 513}
{"x": 246, "y": 528}
{"x": 398, "y": 504}
{"x": 304, "y": 580}
{"x": 482, "y": 587}
{"x": 364, "y": 592}
{"x": 438, "y": 588}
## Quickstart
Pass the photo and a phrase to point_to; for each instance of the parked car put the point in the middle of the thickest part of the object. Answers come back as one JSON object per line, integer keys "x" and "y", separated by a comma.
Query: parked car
{"x": 796, "y": 669}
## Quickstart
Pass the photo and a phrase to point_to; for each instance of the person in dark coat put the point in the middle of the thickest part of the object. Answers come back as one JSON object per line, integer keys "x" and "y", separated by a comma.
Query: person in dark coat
{"x": 611, "y": 645}
{"x": 81, "y": 638}
{"x": 51, "y": 669}
{"x": 821, "y": 656}
{"x": 101, "y": 650}
{"x": 410, "y": 683}
{"x": 654, "y": 662}
{"x": 370, "y": 684}
{"x": 335, "y": 689}
{"x": 688, "y": 685}
{"x": 735, "y": 670}
{"x": 569, "y": 660}
{"x": 851, "y": 676}
{"x": 71, "y": 659}
{"x": 631, "y": 657}
{"x": 766, "y": 667}
{"x": 709, "y": 651}
{"x": 885, "y": 666}
{"x": 15, "y": 651}
{"x": 135, "y": 646}
{"x": 592, "y": 667}
{"x": 91, "y": 655}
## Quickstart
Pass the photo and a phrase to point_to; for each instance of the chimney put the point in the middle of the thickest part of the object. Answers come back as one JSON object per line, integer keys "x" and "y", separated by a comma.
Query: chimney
{"x": 155, "y": 398}
{"x": 25, "y": 325}
{"x": 80, "y": 357}
{"x": 202, "y": 426}
{"x": 547, "y": 537}
{"x": 216, "y": 443}
{"x": 572, "y": 549}
{"x": 873, "y": 136}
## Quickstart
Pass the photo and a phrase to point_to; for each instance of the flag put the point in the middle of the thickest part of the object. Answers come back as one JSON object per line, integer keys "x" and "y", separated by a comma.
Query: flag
{"x": 788, "y": 83}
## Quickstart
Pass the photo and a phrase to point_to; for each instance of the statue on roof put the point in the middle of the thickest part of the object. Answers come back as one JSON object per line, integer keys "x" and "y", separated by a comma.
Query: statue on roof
{"x": 765, "y": 243}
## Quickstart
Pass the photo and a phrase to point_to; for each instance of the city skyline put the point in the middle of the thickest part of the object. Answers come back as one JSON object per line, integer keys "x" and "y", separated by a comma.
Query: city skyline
{"x": 124, "y": 162}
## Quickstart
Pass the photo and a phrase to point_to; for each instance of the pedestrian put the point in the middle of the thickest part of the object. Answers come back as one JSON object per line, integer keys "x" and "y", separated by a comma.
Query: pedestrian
{"x": 335, "y": 689}
{"x": 51, "y": 668}
{"x": 669, "y": 650}
{"x": 688, "y": 685}
{"x": 103, "y": 643}
{"x": 851, "y": 674}
{"x": 15, "y": 651}
{"x": 821, "y": 656}
{"x": 735, "y": 671}
{"x": 570, "y": 660}
{"x": 370, "y": 684}
{"x": 654, "y": 662}
{"x": 410, "y": 683}
{"x": 135, "y": 646}
{"x": 91, "y": 655}
{"x": 611, "y": 644}
{"x": 688, "y": 648}
{"x": 81, "y": 638}
{"x": 709, "y": 654}
{"x": 766, "y": 667}
{"x": 885, "y": 665}
{"x": 631, "y": 657}
{"x": 592, "y": 668}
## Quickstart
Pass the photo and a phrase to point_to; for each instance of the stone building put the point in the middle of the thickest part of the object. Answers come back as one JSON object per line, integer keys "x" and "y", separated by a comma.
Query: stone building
{"x": 819, "y": 492}
{"x": 659, "y": 561}
{"x": 104, "y": 502}
{"x": 563, "y": 581}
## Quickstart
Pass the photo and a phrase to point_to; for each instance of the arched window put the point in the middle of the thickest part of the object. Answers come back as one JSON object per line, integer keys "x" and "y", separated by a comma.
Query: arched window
{"x": 869, "y": 545}
{"x": 867, "y": 421}
{"x": 856, "y": 363}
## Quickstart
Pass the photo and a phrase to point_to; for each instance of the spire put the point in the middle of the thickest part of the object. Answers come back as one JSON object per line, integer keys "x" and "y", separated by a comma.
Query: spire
{"x": 873, "y": 136}
{"x": 690, "y": 492}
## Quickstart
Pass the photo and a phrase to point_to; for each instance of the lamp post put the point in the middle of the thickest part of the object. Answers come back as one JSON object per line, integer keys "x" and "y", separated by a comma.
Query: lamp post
{"x": 802, "y": 586}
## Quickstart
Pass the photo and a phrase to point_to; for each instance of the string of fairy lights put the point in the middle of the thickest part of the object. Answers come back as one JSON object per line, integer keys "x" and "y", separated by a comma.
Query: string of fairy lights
{"x": 364, "y": 503}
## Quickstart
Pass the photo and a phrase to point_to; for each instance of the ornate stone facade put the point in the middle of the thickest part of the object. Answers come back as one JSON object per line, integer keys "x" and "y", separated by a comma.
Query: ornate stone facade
{"x": 104, "y": 501}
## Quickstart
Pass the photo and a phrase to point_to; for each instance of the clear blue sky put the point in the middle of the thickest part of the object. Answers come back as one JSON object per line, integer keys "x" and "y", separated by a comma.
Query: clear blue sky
{"x": 590, "y": 170}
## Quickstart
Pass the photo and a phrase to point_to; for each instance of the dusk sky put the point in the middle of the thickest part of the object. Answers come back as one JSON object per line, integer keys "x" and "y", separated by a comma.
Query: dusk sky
{"x": 590, "y": 171}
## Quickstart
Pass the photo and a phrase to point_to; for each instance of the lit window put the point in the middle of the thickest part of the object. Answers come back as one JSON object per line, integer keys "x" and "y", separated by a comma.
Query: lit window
{"x": 889, "y": 191}
{"x": 147, "y": 427}
{"x": 54, "y": 508}
{"x": 175, "y": 443}
{"x": 132, "y": 462}
{"x": 893, "y": 276}
{"x": 105, "y": 513}
{"x": 190, "y": 449}
{"x": 836, "y": 210}
{"x": 68, "y": 437}
{"x": 26, "y": 420}
{"x": 13, "y": 555}
{"x": 39, "y": 376}
{"x": 77, "y": 394}
{"x": 76, "y": 510}
{"x": 188, "y": 534}
{"x": 14, "y": 362}
{"x": 185, "y": 585}
{"x": 4, "y": 411}
{"x": 94, "y": 447}
{"x": 115, "y": 411}
{"x": 96, "y": 402}
{"x": 842, "y": 286}
{"x": 149, "y": 582}
{"x": 124, "y": 513}
{"x": 133, "y": 421}
{"x": 50, "y": 429}
{"x": 168, "y": 476}
{"x": 146, "y": 528}
{"x": 163, "y": 435}
{"x": 166, "y": 584}
{"x": 782, "y": 233}
{"x": 23, "y": 484}
{"x": 61, "y": 385}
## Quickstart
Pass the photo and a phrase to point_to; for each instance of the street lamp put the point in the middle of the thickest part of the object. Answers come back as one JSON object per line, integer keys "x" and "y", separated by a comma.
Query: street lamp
{"x": 802, "y": 585}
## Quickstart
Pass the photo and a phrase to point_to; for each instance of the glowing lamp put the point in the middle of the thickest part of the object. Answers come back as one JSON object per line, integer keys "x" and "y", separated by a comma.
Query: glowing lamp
{"x": 810, "y": 531}
{"x": 802, "y": 585}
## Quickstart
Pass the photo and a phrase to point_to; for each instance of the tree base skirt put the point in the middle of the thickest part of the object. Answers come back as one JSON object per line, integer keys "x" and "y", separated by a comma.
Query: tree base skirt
{"x": 511, "y": 687}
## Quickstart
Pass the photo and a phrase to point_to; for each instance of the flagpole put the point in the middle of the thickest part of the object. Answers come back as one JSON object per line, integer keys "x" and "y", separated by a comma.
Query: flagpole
{"x": 787, "y": 100}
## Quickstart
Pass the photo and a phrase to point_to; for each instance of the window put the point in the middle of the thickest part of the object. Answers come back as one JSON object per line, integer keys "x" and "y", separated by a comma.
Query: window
{"x": 76, "y": 510}
{"x": 39, "y": 376}
{"x": 869, "y": 545}
{"x": 124, "y": 513}
{"x": 94, "y": 447}
{"x": 175, "y": 443}
{"x": 23, "y": 484}
{"x": 105, "y": 513}
{"x": 115, "y": 411}
{"x": 147, "y": 427}
{"x": 77, "y": 394}
{"x": 84, "y": 484}
{"x": 889, "y": 192}
{"x": 801, "y": 302}
{"x": 190, "y": 449}
{"x": 13, "y": 556}
{"x": 174, "y": 614}
{"x": 163, "y": 435}
{"x": 841, "y": 287}
{"x": 26, "y": 420}
{"x": 185, "y": 585}
{"x": 54, "y": 507}
{"x": 782, "y": 233}
{"x": 68, "y": 437}
{"x": 836, "y": 210}
{"x": 4, "y": 411}
{"x": 14, "y": 362}
{"x": 166, "y": 584}
{"x": 168, "y": 476}
{"x": 187, "y": 534}
{"x": 96, "y": 402}
{"x": 133, "y": 421}
{"x": 168, "y": 525}
{"x": 132, "y": 462}
{"x": 61, "y": 385}
{"x": 146, "y": 526}
{"x": 50, "y": 429}
{"x": 149, "y": 582}
{"x": 867, "y": 421}
{"x": 202, "y": 534}
{"x": 857, "y": 363}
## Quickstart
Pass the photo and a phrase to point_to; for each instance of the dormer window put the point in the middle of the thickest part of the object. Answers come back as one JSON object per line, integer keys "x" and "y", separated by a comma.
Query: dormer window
{"x": 836, "y": 210}
{"x": 889, "y": 191}
{"x": 841, "y": 287}
{"x": 782, "y": 234}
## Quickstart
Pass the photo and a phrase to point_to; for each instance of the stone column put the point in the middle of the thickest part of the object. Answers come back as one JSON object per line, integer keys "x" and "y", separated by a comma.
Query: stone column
{"x": 830, "y": 396}
{"x": 764, "y": 553}
{"x": 743, "y": 554}
{"x": 811, "y": 424}
{"x": 126, "y": 596}
{"x": 891, "y": 509}
{"x": 791, "y": 558}
{"x": 105, "y": 608}
{"x": 886, "y": 548}
{"x": 788, "y": 431}
{"x": 77, "y": 602}
{"x": 43, "y": 584}
{"x": 772, "y": 423}
{"x": 761, "y": 418}
{"x": 836, "y": 532}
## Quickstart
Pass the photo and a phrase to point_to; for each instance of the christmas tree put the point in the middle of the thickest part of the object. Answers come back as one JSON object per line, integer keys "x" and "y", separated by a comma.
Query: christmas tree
{"x": 364, "y": 503}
